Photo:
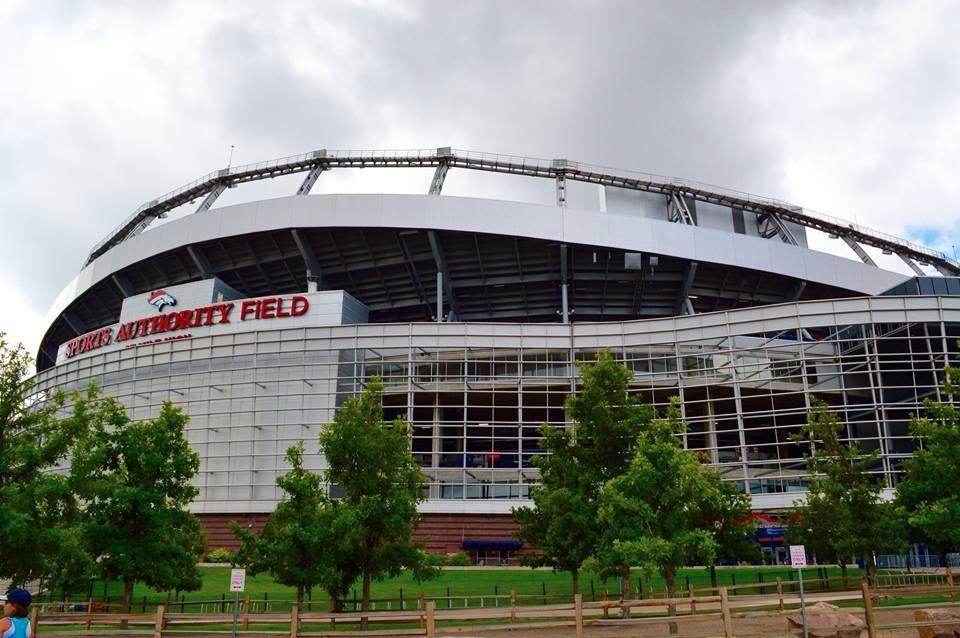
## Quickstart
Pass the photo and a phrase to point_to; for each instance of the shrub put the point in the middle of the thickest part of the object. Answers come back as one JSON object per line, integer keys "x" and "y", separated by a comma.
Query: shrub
{"x": 220, "y": 555}
{"x": 459, "y": 559}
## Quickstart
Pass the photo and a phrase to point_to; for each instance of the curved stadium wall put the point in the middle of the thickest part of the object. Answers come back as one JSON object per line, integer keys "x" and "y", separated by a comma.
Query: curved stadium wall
{"x": 261, "y": 318}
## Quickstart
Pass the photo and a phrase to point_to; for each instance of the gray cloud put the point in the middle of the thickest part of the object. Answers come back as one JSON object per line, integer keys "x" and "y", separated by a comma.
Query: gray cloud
{"x": 850, "y": 108}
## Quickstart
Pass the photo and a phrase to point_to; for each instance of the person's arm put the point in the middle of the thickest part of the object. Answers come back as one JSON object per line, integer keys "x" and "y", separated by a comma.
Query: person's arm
{"x": 4, "y": 624}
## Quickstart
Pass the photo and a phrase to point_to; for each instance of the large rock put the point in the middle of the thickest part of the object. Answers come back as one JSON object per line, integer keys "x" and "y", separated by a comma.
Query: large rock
{"x": 828, "y": 621}
{"x": 948, "y": 623}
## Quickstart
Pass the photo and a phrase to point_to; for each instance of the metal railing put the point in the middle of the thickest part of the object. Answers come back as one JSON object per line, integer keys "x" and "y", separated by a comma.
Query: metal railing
{"x": 514, "y": 164}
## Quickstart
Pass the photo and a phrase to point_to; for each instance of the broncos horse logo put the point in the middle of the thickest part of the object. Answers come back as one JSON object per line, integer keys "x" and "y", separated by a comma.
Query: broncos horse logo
{"x": 161, "y": 298}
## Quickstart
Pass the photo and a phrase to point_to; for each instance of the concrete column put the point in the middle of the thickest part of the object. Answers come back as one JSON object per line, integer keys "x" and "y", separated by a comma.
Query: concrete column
{"x": 713, "y": 453}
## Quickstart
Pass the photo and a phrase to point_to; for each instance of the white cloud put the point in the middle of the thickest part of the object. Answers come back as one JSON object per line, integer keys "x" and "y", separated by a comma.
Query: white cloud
{"x": 848, "y": 108}
{"x": 19, "y": 318}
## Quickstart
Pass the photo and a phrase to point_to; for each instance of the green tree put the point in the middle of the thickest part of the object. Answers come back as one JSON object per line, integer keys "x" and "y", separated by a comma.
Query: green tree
{"x": 843, "y": 515}
{"x": 563, "y": 523}
{"x": 666, "y": 509}
{"x": 370, "y": 460}
{"x": 303, "y": 537}
{"x": 39, "y": 508}
{"x": 930, "y": 491}
{"x": 134, "y": 478}
{"x": 732, "y": 526}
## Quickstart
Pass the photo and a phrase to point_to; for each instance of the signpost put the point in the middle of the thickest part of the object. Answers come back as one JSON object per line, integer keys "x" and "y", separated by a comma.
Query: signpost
{"x": 238, "y": 578}
{"x": 798, "y": 558}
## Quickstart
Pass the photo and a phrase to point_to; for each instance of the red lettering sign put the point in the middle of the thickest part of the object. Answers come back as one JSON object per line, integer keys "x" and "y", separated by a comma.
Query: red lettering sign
{"x": 269, "y": 308}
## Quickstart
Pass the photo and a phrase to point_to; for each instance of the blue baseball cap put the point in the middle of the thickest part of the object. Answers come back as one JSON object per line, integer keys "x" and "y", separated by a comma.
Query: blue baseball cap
{"x": 19, "y": 597}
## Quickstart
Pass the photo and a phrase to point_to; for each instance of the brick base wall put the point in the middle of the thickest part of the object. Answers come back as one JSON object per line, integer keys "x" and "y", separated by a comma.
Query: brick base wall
{"x": 442, "y": 533}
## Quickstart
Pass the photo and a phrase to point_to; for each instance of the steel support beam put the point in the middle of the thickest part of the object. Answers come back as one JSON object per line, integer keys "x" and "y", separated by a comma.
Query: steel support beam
{"x": 412, "y": 267}
{"x": 857, "y": 248}
{"x": 913, "y": 265}
{"x": 770, "y": 225}
{"x": 50, "y": 353}
{"x": 561, "y": 190}
{"x": 212, "y": 197}
{"x": 796, "y": 290}
{"x": 311, "y": 179}
{"x": 559, "y": 170}
{"x": 441, "y": 263}
{"x": 564, "y": 291}
{"x": 122, "y": 284}
{"x": 75, "y": 323}
{"x": 309, "y": 258}
{"x": 678, "y": 211}
{"x": 201, "y": 262}
{"x": 439, "y": 175}
{"x": 682, "y": 304}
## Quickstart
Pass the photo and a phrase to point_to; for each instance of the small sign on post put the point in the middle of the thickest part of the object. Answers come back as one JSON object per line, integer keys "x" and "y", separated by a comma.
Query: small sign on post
{"x": 798, "y": 556}
{"x": 798, "y": 559}
{"x": 238, "y": 579}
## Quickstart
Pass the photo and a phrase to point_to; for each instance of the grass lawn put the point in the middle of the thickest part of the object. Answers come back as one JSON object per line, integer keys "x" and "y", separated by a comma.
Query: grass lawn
{"x": 454, "y": 582}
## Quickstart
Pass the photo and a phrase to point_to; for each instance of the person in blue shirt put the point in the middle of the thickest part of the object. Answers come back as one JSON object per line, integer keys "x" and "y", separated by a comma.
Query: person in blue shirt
{"x": 16, "y": 624}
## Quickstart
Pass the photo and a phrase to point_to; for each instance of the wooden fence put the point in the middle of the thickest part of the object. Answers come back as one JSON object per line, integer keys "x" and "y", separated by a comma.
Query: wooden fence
{"x": 721, "y": 607}
{"x": 815, "y": 578}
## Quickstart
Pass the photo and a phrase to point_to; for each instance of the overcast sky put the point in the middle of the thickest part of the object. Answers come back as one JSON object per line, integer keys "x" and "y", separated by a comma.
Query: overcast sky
{"x": 850, "y": 108}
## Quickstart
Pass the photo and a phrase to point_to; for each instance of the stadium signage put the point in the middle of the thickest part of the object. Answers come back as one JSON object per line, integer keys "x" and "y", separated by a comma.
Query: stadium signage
{"x": 250, "y": 310}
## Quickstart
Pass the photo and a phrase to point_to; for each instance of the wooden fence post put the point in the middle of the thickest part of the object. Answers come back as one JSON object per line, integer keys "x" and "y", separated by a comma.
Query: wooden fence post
{"x": 513, "y": 605}
{"x": 693, "y": 599}
{"x": 294, "y": 621}
{"x": 431, "y": 623}
{"x": 160, "y": 621}
{"x": 725, "y": 610}
{"x": 246, "y": 614}
{"x": 578, "y": 613}
{"x": 868, "y": 608}
{"x": 34, "y": 620}
{"x": 780, "y": 591}
{"x": 89, "y": 612}
{"x": 953, "y": 594}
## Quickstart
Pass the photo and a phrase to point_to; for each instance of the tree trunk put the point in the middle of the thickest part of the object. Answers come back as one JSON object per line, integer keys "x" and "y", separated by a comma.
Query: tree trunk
{"x": 127, "y": 598}
{"x": 575, "y": 573}
{"x": 365, "y": 605}
{"x": 336, "y": 605}
{"x": 300, "y": 597}
{"x": 713, "y": 578}
{"x": 871, "y": 569}
{"x": 843, "y": 573}
{"x": 670, "y": 574}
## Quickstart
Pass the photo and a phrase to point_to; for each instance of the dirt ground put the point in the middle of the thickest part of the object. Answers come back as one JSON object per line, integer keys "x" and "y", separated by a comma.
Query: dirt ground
{"x": 759, "y": 624}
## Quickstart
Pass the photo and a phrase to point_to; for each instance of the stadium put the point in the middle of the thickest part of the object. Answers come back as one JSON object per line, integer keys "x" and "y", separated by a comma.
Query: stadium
{"x": 261, "y": 317}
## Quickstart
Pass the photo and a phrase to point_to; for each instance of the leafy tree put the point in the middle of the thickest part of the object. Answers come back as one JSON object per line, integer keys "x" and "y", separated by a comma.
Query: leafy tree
{"x": 666, "y": 510}
{"x": 303, "y": 538}
{"x": 563, "y": 523}
{"x": 39, "y": 508}
{"x": 843, "y": 515}
{"x": 371, "y": 461}
{"x": 930, "y": 491}
{"x": 732, "y": 527}
{"x": 134, "y": 477}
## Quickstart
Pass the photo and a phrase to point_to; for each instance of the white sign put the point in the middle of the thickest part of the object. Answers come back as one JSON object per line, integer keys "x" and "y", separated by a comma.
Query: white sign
{"x": 238, "y": 578}
{"x": 798, "y": 556}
